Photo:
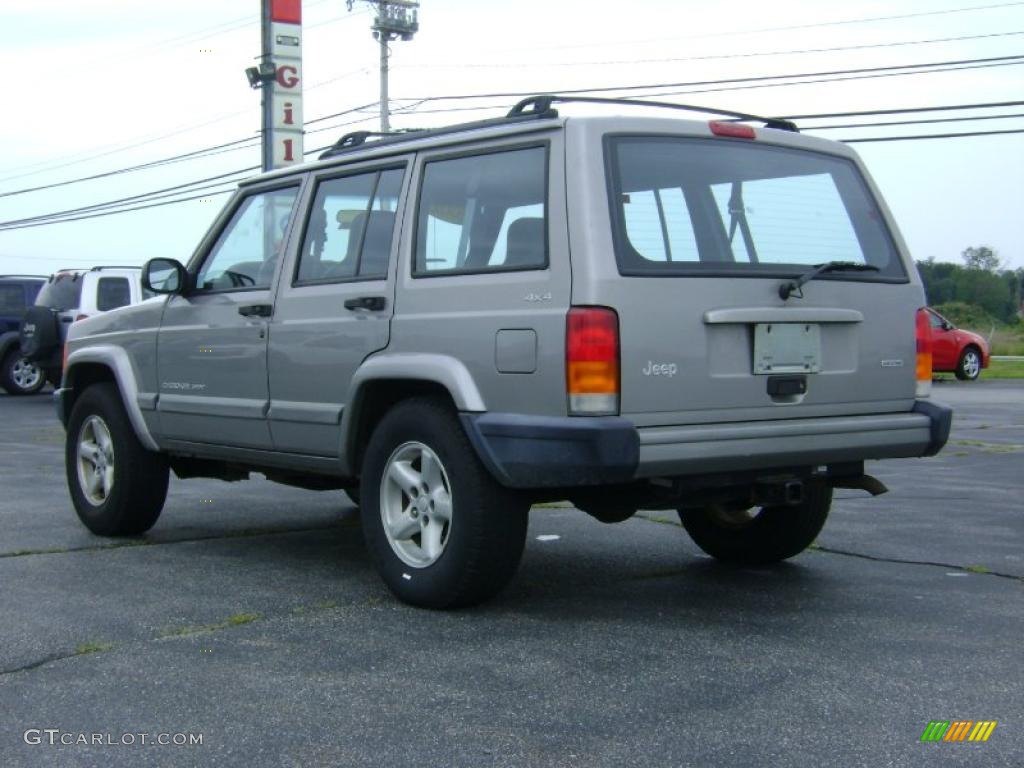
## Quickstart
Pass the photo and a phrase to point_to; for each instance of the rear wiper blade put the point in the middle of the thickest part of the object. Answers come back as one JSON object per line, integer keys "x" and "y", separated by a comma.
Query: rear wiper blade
{"x": 793, "y": 287}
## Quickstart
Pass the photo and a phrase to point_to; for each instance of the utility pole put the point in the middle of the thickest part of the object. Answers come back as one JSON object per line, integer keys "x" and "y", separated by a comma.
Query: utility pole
{"x": 396, "y": 20}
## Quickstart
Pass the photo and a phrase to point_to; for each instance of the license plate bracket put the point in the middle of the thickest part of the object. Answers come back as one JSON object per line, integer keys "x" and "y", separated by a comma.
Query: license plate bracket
{"x": 787, "y": 348}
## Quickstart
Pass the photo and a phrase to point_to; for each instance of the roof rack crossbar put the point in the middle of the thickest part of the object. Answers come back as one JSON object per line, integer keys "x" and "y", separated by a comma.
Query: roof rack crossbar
{"x": 541, "y": 105}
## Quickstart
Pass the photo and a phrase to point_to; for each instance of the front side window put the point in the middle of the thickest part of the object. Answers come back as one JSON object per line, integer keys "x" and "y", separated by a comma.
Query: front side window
{"x": 351, "y": 228}
{"x": 112, "y": 292}
{"x": 249, "y": 248}
{"x": 483, "y": 213}
{"x": 692, "y": 206}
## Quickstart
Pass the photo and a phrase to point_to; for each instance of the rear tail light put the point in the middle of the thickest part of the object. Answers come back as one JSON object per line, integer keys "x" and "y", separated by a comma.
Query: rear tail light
{"x": 64, "y": 358}
{"x": 592, "y": 361}
{"x": 924, "y": 354}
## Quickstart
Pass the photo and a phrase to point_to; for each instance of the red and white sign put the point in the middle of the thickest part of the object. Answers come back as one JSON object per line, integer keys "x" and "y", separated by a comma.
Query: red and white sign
{"x": 286, "y": 93}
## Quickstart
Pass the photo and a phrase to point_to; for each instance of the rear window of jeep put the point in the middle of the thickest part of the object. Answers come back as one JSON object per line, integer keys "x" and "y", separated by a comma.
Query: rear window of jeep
{"x": 694, "y": 206}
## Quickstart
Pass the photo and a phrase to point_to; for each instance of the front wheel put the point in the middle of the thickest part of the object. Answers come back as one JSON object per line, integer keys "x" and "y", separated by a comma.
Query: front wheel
{"x": 759, "y": 536}
{"x": 441, "y": 531}
{"x": 969, "y": 366}
{"x": 117, "y": 486}
{"x": 19, "y": 376}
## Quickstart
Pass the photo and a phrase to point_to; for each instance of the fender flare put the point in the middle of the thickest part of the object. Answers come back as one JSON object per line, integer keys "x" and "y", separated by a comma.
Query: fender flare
{"x": 449, "y": 372}
{"x": 117, "y": 360}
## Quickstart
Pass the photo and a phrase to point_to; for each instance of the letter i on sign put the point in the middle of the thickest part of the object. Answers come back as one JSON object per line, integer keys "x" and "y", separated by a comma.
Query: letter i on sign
{"x": 288, "y": 113}
{"x": 288, "y": 151}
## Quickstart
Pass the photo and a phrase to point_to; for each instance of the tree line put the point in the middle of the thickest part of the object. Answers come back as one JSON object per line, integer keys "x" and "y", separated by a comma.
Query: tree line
{"x": 980, "y": 281}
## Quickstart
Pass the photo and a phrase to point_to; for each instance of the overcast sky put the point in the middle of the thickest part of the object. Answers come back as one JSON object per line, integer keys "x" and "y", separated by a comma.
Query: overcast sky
{"x": 99, "y": 85}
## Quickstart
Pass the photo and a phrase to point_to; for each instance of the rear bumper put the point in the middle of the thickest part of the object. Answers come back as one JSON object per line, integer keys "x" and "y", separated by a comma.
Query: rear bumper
{"x": 549, "y": 452}
{"x": 543, "y": 452}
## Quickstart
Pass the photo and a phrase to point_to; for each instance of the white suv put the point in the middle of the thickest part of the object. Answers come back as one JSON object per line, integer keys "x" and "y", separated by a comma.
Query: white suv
{"x": 70, "y": 295}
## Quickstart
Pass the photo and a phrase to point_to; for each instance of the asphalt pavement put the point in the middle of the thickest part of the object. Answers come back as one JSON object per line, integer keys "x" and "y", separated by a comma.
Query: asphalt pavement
{"x": 250, "y": 618}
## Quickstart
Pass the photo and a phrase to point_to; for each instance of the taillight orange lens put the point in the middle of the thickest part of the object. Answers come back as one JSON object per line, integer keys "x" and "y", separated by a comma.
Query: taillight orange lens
{"x": 924, "y": 353}
{"x": 592, "y": 360}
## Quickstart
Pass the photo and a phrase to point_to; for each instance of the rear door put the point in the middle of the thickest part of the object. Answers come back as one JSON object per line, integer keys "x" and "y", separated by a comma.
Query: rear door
{"x": 705, "y": 231}
{"x": 335, "y": 302}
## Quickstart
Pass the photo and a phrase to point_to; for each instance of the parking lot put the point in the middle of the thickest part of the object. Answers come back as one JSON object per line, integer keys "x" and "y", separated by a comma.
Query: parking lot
{"x": 250, "y": 616}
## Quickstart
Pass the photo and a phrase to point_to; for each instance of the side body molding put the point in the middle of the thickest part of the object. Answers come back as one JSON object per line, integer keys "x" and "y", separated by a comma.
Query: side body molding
{"x": 117, "y": 360}
{"x": 447, "y": 371}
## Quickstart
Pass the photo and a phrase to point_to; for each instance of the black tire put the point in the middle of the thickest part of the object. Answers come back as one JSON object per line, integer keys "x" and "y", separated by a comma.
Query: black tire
{"x": 128, "y": 500}
{"x": 769, "y": 536}
{"x": 483, "y": 538}
{"x": 20, "y": 377}
{"x": 968, "y": 367}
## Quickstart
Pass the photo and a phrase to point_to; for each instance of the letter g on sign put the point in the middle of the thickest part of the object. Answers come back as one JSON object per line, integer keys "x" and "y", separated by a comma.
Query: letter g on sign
{"x": 287, "y": 76}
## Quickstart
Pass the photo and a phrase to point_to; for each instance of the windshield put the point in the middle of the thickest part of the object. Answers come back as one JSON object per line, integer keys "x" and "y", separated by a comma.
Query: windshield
{"x": 699, "y": 206}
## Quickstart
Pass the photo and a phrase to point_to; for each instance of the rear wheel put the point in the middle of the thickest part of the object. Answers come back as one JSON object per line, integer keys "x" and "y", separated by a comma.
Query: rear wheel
{"x": 19, "y": 376}
{"x": 441, "y": 531}
{"x": 969, "y": 366}
{"x": 117, "y": 486}
{"x": 757, "y": 536}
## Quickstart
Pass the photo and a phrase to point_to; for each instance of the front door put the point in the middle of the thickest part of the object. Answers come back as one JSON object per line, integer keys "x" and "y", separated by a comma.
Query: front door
{"x": 212, "y": 347}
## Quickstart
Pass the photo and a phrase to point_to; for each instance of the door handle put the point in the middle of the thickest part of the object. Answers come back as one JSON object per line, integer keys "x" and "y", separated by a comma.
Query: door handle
{"x": 255, "y": 310}
{"x": 369, "y": 303}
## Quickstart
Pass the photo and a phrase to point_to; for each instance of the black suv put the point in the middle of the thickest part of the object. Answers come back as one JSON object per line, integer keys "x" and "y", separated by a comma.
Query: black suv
{"x": 18, "y": 376}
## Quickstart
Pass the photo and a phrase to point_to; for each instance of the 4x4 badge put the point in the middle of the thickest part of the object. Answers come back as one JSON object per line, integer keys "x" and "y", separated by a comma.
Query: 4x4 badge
{"x": 533, "y": 297}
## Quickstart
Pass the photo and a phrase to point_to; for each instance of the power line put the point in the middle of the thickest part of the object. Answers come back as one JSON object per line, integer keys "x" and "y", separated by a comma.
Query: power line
{"x": 864, "y": 71}
{"x": 741, "y": 32}
{"x": 195, "y": 154}
{"x": 931, "y": 136}
{"x": 130, "y": 198}
{"x": 716, "y": 56}
{"x": 910, "y": 122}
{"x": 758, "y": 78}
{"x": 908, "y": 110}
{"x": 751, "y": 86}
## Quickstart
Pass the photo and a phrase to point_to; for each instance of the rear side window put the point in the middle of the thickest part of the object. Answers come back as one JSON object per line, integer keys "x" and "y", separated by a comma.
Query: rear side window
{"x": 12, "y": 299}
{"x": 483, "y": 213}
{"x": 112, "y": 292}
{"x": 696, "y": 206}
{"x": 63, "y": 291}
{"x": 351, "y": 228}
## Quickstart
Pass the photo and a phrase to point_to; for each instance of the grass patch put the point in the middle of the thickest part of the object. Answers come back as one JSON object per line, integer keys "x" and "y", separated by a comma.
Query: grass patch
{"x": 977, "y": 569}
{"x": 1004, "y": 369}
{"x": 232, "y": 621}
{"x": 86, "y": 648}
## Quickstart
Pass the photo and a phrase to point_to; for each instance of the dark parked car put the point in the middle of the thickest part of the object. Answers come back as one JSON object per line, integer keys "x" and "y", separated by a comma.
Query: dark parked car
{"x": 955, "y": 350}
{"x": 18, "y": 376}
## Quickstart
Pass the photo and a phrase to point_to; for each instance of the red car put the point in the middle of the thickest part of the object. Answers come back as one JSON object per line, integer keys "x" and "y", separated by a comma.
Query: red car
{"x": 956, "y": 350}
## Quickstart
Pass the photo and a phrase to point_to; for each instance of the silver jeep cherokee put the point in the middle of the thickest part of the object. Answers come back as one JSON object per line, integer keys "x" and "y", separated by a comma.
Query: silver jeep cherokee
{"x": 627, "y": 312}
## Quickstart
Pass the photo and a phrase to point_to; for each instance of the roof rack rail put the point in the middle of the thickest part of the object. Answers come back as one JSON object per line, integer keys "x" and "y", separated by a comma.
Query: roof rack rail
{"x": 113, "y": 266}
{"x": 540, "y": 106}
{"x": 41, "y": 277}
{"x": 351, "y": 141}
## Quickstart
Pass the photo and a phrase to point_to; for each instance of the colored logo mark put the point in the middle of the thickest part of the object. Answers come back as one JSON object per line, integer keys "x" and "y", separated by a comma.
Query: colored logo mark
{"x": 958, "y": 730}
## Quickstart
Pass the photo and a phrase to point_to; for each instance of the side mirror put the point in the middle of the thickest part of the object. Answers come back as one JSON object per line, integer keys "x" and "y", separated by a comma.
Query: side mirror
{"x": 947, "y": 326}
{"x": 164, "y": 276}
